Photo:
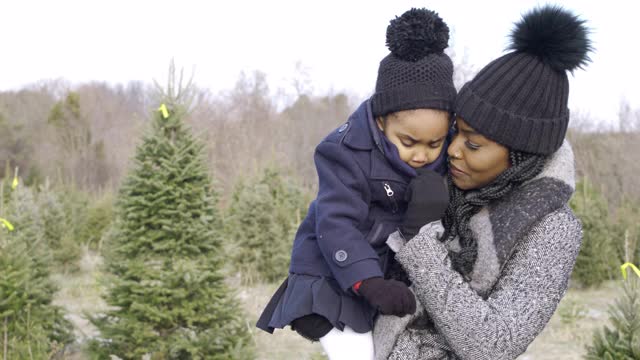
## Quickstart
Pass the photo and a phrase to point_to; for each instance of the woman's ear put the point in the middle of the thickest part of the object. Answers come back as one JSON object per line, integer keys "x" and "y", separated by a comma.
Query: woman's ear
{"x": 380, "y": 122}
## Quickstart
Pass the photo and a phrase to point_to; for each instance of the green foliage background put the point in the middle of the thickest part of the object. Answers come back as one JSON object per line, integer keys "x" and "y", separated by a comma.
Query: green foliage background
{"x": 263, "y": 217}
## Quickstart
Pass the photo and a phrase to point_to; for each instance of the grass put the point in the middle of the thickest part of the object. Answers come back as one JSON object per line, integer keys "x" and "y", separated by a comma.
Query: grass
{"x": 571, "y": 328}
{"x": 80, "y": 293}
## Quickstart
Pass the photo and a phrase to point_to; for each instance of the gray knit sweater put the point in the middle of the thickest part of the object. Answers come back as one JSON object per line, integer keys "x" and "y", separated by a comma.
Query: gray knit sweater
{"x": 527, "y": 246}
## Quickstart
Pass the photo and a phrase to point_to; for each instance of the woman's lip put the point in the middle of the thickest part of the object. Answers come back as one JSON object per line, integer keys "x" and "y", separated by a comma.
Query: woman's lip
{"x": 455, "y": 171}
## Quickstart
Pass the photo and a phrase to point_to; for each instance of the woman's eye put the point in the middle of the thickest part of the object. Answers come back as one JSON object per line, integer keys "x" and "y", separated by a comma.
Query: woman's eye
{"x": 471, "y": 145}
{"x": 406, "y": 143}
{"x": 435, "y": 145}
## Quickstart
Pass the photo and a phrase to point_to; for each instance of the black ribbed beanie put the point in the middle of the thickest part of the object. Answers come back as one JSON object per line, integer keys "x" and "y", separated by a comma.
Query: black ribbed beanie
{"x": 520, "y": 99}
{"x": 417, "y": 73}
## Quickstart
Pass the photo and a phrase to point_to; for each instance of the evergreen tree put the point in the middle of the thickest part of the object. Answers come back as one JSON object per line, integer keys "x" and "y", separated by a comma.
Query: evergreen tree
{"x": 59, "y": 225}
{"x": 163, "y": 257}
{"x": 627, "y": 231}
{"x": 31, "y": 326}
{"x": 598, "y": 260}
{"x": 263, "y": 218}
{"x": 622, "y": 342}
{"x": 99, "y": 216}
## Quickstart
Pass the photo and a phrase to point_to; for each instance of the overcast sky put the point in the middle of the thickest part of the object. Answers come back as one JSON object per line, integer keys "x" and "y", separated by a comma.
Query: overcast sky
{"x": 339, "y": 43}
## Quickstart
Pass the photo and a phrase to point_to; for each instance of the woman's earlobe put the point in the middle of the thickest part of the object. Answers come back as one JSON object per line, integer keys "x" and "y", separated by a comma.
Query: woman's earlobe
{"x": 380, "y": 122}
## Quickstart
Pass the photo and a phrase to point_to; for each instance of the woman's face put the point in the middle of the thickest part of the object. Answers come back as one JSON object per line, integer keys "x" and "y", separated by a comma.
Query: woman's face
{"x": 474, "y": 160}
{"x": 418, "y": 134}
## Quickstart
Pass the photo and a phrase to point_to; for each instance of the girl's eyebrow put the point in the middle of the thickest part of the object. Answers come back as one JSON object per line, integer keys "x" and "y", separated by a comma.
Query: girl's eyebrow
{"x": 408, "y": 137}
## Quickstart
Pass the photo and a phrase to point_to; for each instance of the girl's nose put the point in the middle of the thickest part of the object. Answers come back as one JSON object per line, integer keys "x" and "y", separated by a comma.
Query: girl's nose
{"x": 420, "y": 157}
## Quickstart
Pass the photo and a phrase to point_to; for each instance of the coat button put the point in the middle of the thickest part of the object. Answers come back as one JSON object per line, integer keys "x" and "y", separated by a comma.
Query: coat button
{"x": 341, "y": 255}
{"x": 343, "y": 127}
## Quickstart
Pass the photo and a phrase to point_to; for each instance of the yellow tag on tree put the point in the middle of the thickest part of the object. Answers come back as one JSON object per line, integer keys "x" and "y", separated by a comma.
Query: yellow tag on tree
{"x": 164, "y": 111}
{"x": 6, "y": 224}
{"x": 624, "y": 267}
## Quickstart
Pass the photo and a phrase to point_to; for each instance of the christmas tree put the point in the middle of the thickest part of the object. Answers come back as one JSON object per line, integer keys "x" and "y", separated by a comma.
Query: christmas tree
{"x": 597, "y": 259}
{"x": 622, "y": 342}
{"x": 58, "y": 225}
{"x": 163, "y": 256}
{"x": 263, "y": 218}
{"x": 31, "y": 327}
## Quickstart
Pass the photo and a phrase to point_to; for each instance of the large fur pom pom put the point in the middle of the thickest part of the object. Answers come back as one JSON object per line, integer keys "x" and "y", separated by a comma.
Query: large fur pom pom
{"x": 556, "y": 36}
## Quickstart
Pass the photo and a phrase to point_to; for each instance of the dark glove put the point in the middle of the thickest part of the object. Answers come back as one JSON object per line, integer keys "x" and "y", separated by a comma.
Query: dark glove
{"x": 390, "y": 297}
{"x": 312, "y": 327}
{"x": 428, "y": 197}
{"x": 396, "y": 272}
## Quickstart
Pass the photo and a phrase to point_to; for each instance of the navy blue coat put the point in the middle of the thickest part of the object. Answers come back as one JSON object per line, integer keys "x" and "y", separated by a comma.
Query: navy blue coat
{"x": 360, "y": 202}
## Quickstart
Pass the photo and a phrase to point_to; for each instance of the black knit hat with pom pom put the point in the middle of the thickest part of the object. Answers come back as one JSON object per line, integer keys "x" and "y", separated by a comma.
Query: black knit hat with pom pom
{"x": 417, "y": 73}
{"x": 520, "y": 99}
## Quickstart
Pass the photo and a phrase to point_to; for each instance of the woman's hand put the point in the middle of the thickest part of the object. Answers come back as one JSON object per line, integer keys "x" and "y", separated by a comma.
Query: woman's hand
{"x": 428, "y": 198}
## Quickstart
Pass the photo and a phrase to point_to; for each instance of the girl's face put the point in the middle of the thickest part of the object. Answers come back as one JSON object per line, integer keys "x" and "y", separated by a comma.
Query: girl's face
{"x": 474, "y": 160}
{"x": 418, "y": 134}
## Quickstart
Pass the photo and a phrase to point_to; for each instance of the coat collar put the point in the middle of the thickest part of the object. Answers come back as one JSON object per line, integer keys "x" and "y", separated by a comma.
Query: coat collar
{"x": 363, "y": 134}
{"x": 381, "y": 169}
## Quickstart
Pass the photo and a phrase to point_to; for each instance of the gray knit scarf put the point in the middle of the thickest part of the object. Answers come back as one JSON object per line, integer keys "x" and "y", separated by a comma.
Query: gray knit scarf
{"x": 465, "y": 204}
{"x": 495, "y": 228}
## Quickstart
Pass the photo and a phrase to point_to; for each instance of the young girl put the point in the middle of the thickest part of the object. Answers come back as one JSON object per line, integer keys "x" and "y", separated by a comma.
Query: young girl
{"x": 336, "y": 283}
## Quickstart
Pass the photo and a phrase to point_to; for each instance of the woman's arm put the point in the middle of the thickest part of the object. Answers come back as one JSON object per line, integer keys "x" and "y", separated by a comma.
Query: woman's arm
{"x": 519, "y": 306}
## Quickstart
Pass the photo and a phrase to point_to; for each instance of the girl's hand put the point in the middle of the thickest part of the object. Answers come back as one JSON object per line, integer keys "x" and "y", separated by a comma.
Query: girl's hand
{"x": 390, "y": 297}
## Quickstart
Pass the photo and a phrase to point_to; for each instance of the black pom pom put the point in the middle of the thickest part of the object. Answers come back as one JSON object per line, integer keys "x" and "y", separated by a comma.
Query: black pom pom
{"x": 417, "y": 33}
{"x": 556, "y": 36}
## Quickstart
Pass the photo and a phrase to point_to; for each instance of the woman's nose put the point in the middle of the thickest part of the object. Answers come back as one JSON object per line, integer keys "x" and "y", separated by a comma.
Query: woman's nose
{"x": 454, "y": 148}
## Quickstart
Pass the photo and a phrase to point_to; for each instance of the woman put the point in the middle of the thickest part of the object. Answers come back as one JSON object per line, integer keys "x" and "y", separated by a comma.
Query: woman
{"x": 489, "y": 280}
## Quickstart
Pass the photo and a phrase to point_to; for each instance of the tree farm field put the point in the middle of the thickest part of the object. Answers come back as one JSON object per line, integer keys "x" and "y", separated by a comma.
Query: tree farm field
{"x": 581, "y": 312}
